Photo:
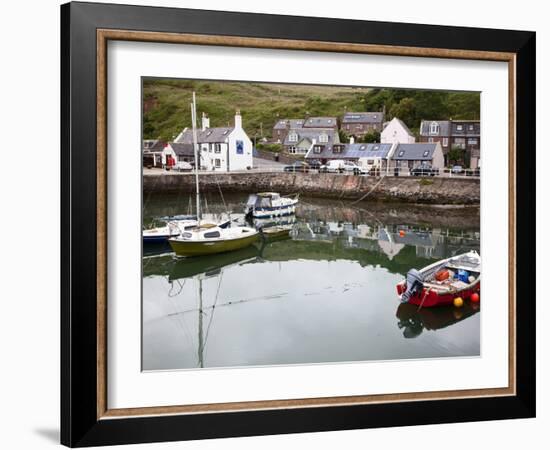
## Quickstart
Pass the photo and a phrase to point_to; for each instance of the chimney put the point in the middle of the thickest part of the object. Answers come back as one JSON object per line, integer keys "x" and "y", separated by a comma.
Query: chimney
{"x": 352, "y": 140}
{"x": 205, "y": 122}
{"x": 238, "y": 119}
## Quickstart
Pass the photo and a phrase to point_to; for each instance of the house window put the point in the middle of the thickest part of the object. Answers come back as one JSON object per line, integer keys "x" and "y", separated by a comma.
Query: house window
{"x": 218, "y": 163}
{"x": 363, "y": 147}
{"x": 472, "y": 141}
{"x": 293, "y": 137}
{"x": 337, "y": 149}
{"x": 425, "y": 153}
{"x": 434, "y": 128}
{"x": 445, "y": 142}
{"x": 460, "y": 142}
{"x": 459, "y": 128}
{"x": 318, "y": 148}
{"x": 292, "y": 149}
{"x": 430, "y": 140}
{"x": 278, "y": 132}
{"x": 323, "y": 137}
{"x": 401, "y": 153}
{"x": 217, "y": 148}
{"x": 470, "y": 127}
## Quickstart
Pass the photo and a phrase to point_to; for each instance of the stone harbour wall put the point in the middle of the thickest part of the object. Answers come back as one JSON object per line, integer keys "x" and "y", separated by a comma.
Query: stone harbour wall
{"x": 436, "y": 190}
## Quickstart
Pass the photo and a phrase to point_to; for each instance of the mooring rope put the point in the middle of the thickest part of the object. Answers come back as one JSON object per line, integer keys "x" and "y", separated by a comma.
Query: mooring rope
{"x": 368, "y": 193}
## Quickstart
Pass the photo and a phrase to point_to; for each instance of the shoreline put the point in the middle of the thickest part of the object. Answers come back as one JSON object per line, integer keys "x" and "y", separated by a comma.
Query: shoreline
{"x": 437, "y": 192}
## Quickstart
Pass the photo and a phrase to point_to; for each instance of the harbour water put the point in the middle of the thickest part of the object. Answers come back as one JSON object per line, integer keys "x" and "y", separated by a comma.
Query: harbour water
{"x": 327, "y": 294}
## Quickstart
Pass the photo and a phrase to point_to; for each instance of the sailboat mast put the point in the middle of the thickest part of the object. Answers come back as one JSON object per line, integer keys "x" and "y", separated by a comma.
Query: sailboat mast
{"x": 201, "y": 337}
{"x": 196, "y": 150}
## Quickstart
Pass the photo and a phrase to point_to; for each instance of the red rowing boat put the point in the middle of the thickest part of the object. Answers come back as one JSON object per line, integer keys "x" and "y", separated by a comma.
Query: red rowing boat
{"x": 441, "y": 282}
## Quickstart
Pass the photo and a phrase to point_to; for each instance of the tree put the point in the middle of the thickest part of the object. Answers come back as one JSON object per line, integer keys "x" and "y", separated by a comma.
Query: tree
{"x": 405, "y": 110}
{"x": 343, "y": 136}
{"x": 373, "y": 136}
{"x": 455, "y": 155}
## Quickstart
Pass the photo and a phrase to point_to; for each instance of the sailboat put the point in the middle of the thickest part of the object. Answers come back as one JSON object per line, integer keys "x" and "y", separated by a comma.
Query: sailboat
{"x": 209, "y": 238}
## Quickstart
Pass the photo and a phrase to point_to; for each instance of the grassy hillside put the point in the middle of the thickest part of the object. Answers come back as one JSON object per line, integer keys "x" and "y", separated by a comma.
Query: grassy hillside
{"x": 166, "y": 109}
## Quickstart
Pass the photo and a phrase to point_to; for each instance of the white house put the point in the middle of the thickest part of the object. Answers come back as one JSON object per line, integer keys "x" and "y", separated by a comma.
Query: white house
{"x": 222, "y": 148}
{"x": 396, "y": 132}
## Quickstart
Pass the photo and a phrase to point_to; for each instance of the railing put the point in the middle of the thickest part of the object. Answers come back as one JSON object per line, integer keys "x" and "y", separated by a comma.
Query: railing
{"x": 392, "y": 172}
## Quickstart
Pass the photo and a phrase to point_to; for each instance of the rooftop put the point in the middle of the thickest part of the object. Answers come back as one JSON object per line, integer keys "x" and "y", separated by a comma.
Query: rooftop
{"x": 352, "y": 151}
{"x": 415, "y": 152}
{"x": 363, "y": 117}
{"x": 209, "y": 135}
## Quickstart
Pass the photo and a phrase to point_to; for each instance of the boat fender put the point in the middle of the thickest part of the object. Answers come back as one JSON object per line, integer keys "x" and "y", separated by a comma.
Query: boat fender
{"x": 415, "y": 284}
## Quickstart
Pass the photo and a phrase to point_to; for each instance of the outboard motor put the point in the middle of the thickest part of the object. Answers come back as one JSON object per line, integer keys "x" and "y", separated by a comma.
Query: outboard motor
{"x": 415, "y": 284}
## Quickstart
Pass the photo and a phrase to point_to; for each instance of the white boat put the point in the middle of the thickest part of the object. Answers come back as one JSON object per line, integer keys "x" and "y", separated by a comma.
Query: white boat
{"x": 174, "y": 228}
{"x": 171, "y": 229}
{"x": 270, "y": 204}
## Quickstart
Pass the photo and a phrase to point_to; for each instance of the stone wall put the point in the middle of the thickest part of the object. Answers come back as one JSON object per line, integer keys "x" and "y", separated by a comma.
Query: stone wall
{"x": 437, "y": 190}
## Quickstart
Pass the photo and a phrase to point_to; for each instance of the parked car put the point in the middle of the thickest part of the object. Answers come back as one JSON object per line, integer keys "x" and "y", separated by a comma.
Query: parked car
{"x": 183, "y": 166}
{"x": 341, "y": 166}
{"x": 298, "y": 166}
{"x": 350, "y": 166}
{"x": 333, "y": 166}
{"x": 425, "y": 170}
{"x": 472, "y": 172}
{"x": 314, "y": 164}
{"x": 457, "y": 170}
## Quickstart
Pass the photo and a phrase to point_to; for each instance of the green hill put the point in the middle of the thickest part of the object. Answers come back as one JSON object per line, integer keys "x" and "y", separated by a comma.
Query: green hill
{"x": 166, "y": 109}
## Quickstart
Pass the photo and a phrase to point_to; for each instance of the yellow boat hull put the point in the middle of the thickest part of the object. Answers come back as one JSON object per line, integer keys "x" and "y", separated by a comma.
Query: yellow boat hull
{"x": 211, "y": 247}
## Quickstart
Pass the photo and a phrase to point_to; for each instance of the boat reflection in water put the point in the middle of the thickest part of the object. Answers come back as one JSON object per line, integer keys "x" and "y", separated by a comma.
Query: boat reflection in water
{"x": 324, "y": 294}
{"x": 414, "y": 320}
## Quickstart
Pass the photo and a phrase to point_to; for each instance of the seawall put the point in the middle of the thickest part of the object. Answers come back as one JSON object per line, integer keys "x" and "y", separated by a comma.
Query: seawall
{"x": 436, "y": 190}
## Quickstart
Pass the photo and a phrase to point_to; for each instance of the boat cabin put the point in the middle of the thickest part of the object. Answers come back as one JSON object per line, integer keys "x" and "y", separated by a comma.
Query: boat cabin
{"x": 262, "y": 199}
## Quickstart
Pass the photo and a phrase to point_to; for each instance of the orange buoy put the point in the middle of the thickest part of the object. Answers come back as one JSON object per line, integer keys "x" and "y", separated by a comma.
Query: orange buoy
{"x": 401, "y": 233}
{"x": 458, "y": 302}
{"x": 474, "y": 297}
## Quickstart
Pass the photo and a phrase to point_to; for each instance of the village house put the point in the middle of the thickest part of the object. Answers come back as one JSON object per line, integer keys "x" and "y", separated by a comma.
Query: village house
{"x": 365, "y": 155}
{"x": 361, "y": 123}
{"x": 406, "y": 157}
{"x": 221, "y": 148}
{"x": 300, "y": 140}
{"x": 396, "y": 132}
{"x": 179, "y": 152}
{"x": 463, "y": 134}
{"x": 153, "y": 153}
{"x": 283, "y": 126}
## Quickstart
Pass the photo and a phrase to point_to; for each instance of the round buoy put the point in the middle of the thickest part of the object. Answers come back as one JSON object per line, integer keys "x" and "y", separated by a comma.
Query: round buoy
{"x": 474, "y": 297}
{"x": 401, "y": 233}
{"x": 458, "y": 302}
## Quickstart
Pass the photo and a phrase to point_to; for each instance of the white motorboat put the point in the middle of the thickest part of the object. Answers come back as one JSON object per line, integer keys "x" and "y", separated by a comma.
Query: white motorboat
{"x": 270, "y": 204}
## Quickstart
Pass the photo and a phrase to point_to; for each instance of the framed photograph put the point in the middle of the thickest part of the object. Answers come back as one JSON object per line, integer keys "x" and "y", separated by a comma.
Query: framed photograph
{"x": 277, "y": 224}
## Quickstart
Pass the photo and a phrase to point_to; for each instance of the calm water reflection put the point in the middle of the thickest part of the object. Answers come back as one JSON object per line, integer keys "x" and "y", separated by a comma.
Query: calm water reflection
{"x": 327, "y": 294}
